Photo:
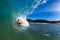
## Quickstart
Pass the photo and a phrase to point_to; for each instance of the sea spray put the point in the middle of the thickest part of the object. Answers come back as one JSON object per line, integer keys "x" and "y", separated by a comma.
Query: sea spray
{"x": 28, "y": 8}
{"x": 12, "y": 9}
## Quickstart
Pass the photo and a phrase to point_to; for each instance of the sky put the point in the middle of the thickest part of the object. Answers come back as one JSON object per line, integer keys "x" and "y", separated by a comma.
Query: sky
{"x": 49, "y": 10}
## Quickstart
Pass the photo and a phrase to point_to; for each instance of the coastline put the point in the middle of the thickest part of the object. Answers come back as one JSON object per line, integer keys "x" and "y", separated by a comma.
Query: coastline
{"x": 44, "y": 23}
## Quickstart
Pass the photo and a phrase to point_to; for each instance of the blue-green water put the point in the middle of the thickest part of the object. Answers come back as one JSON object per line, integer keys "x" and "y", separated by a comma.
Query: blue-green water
{"x": 34, "y": 32}
{"x": 45, "y": 31}
{"x": 11, "y": 9}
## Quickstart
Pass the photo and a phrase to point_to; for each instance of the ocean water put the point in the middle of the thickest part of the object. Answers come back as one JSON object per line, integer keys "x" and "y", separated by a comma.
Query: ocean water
{"x": 34, "y": 32}
{"x": 11, "y": 9}
{"x": 44, "y": 31}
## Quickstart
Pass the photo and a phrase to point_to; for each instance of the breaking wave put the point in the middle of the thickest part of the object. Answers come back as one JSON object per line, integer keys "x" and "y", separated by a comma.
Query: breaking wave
{"x": 18, "y": 8}
{"x": 24, "y": 9}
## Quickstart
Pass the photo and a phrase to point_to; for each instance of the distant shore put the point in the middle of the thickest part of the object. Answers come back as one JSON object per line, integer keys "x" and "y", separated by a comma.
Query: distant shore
{"x": 43, "y": 21}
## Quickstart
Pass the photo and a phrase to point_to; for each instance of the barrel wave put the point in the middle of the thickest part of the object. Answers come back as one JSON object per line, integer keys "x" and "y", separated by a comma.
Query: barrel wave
{"x": 10, "y": 10}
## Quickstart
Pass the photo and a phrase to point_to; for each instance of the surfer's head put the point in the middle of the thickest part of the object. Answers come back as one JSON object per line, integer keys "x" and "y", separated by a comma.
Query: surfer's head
{"x": 19, "y": 21}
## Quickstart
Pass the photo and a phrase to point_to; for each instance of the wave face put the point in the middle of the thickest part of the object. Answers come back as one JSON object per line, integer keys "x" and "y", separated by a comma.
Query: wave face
{"x": 24, "y": 7}
{"x": 9, "y": 11}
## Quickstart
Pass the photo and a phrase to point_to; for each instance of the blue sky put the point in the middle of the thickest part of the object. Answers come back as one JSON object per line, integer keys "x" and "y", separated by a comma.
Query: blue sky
{"x": 47, "y": 11}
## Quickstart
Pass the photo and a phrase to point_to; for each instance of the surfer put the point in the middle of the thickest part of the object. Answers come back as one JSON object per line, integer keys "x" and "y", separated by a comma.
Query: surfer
{"x": 21, "y": 22}
{"x": 18, "y": 22}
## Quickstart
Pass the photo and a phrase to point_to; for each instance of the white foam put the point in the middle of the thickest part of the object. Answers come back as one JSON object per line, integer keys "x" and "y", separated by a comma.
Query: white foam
{"x": 25, "y": 23}
{"x": 46, "y": 34}
{"x": 23, "y": 26}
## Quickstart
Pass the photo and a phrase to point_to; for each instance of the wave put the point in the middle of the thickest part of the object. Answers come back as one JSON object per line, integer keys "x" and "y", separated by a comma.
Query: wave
{"x": 12, "y": 9}
{"x": 25, "y": 8}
